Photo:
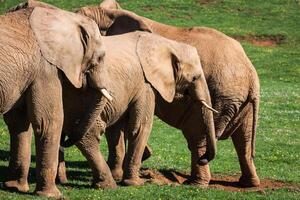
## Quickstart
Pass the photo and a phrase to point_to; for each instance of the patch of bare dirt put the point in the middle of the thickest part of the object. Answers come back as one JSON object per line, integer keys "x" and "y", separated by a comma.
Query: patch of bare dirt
{"x": 261, "y": 40}
{"x": 218, "y": 181}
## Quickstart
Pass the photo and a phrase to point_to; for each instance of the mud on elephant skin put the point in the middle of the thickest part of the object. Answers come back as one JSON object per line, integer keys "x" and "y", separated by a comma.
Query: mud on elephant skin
{"x": 232, "y": 80}
{"x": 36, "y": 54}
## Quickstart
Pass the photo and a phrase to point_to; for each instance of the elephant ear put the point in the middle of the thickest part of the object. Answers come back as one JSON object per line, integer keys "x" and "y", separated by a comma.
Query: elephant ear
{"x": 125, "y": 22}
{"x": 62, "y": 40}
{"x": 159, "y": 63}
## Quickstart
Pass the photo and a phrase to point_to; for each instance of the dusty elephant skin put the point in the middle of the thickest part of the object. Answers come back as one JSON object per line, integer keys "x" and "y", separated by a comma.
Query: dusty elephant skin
{"x": 33, "y": 55}
{"x": 232, "y": 80}
{"x": 168, "y": 67}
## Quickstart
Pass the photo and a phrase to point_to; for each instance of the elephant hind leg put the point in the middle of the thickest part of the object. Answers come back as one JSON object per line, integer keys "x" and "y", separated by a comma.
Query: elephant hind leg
{"x": 242, "y": 140}
{"x": 20, "y": 149}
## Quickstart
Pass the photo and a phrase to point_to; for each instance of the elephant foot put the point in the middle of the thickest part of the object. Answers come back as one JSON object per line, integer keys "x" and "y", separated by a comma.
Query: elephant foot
{"x": 249, "y": 181}
{"x": 61, "y": 177}
{"x": 104, "y": 184}
{"x": 117, "y": 174}
{"x": 16, "y": 186}
{"x": 49, "y": 193}
{"x": 133, "y": 182}
{"x": 147, "y": 153}
{"x": 196, "y": 182}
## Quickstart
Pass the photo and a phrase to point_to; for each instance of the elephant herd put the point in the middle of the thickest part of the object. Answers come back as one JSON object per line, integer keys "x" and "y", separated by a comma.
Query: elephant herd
{"x": 70, "y": 77}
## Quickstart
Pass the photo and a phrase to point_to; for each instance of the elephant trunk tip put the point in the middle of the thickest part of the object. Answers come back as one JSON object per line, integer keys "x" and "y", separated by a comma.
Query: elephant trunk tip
{"x": 206, "y": 158}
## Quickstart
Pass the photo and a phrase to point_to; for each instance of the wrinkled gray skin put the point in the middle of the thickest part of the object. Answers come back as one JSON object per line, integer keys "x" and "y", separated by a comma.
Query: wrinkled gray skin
{"x": 196, "y": 90}
{"x": 138, "y": 71}
{"x": 31, "y": 86}
{"x": 232, "y": 80}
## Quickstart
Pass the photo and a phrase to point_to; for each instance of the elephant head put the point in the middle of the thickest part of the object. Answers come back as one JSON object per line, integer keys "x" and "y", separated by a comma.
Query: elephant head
{"x": 114, "y": 21}
{"x": 73, "y": 44}
{"x": 172, "y": 67}
{"x": 110, "y": 4}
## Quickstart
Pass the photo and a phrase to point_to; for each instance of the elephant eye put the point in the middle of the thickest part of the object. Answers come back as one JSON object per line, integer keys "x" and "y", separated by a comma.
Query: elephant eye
{"x": 194, "y": 78}
{"x": 100, "y": 58}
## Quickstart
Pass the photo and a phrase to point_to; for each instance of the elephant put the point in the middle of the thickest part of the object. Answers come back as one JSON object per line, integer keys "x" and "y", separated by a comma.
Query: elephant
{"x": 201, "y": 159}
{"x": 232, "y": 81}
{"x": 36, "y": 58}
{"x": 142, "y": 68}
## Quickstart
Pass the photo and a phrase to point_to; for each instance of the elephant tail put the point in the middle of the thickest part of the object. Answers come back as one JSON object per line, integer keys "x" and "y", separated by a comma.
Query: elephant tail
{"x": 255, "y": 106}
{"x": 254, "y": 99}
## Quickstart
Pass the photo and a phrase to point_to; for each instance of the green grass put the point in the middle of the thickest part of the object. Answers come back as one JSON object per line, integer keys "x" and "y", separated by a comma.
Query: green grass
{"x": 278, "y": 139}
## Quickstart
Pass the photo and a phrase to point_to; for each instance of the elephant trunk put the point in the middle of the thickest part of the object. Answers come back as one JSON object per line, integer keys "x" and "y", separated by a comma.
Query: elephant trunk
{"x": 93, "y": 111}
{"x": 202, "y": 96}
{"x": 100, "y": 96}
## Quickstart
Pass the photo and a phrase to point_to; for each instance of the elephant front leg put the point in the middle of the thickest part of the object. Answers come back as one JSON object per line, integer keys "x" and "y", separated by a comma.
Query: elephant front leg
{"x": 116, "y": 149}
{"x": 20, "y": 149}
{"x": 200, "y": 173}
{"x": 45, "y": 110}
{"x": 139, "y": 129}
{"x": 242, "y": 140}
{"x": 89, "y": 147}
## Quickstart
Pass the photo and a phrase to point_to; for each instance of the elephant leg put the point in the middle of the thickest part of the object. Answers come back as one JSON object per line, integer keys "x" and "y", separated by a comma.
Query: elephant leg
{"x": 195, "y": 135}
{"x": 20, "y": 149}
{"x": 242, "y": 140}
{"x": 116, "y": 147}
{"x": 61, "y": 177}
{"x": 45, "y": 110}
{"x": 89, "y": 147}
{"x": 138, "y": 131}
{"x": 200, "y": 173}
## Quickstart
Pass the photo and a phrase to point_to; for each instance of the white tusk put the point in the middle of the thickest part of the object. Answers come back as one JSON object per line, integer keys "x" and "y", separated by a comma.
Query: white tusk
{"x": 210, "y": 108}
{"x": 106, "y": 94}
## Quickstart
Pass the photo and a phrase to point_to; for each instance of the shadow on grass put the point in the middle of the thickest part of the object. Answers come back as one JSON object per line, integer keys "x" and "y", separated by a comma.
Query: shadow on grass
{"x": 79, "y": 175}
{"x": 226, "y": 183}
{"x": 4, "y": 155}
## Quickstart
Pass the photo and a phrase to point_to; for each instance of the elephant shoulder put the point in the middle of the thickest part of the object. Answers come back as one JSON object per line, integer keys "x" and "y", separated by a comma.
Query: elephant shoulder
{"x": 16, "y": 32}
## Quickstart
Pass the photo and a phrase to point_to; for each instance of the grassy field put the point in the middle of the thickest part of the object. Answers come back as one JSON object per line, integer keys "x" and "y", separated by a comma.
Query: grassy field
{"x": 278, "y": 66}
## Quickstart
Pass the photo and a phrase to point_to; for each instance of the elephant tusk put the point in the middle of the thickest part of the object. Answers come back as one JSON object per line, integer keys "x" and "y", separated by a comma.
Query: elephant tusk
{"x": 209, "y": 107}
{"x": 106, "y": 94}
